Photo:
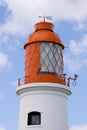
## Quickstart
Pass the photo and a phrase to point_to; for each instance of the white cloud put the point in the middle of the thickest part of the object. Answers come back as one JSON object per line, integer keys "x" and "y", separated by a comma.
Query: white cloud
{"x": 80, "y": 26}
{"x": 79, "y": 47}
{"x": 5, "y": 64}
{"x": 2, "y": 127}
{"x": 81, "y": 127}
{"x": 1, "y": 2}
{"x": 73, "y": 64}
{"x": 74, "y": 9}
{"x": 76, "y": 58}
{"x": 25, "y": 13}
{"x": 3, "y": 40}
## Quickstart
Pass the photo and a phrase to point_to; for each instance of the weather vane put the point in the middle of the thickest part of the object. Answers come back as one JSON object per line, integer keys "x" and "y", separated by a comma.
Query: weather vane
{"x": 46, "y": 17}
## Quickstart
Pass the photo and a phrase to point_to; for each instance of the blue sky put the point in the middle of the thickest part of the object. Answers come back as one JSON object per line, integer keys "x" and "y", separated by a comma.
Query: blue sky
{"x": 17, "y": 18}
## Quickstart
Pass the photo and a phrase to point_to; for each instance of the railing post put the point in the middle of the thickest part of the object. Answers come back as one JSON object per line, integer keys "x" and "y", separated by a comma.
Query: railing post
{"x": 68, "y": 84}
{"x": 19, "y": 82}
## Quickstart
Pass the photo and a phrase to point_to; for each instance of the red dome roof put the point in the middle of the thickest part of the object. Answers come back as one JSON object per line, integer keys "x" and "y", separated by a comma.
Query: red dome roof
{"x": 44, "y": 33}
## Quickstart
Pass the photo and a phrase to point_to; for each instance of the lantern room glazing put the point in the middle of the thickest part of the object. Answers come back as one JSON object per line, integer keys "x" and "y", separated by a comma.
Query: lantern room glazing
{"x": 51, "y": 59}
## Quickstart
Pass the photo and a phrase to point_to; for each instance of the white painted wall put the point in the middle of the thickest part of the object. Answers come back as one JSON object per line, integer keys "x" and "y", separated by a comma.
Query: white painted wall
{"x": 48, "y": 98}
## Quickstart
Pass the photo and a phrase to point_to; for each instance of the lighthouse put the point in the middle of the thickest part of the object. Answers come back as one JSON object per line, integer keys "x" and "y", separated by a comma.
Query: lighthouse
{"x": 44, "y": 92}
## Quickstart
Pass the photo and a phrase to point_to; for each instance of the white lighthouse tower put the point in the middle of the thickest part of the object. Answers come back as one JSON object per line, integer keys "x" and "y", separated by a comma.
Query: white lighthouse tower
{"x": 44, "y": 93}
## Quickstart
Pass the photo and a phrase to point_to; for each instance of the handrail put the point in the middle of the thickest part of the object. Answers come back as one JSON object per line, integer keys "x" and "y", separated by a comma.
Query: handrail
{"x": 21, "y": 81}
{"x": 64, "y": 80}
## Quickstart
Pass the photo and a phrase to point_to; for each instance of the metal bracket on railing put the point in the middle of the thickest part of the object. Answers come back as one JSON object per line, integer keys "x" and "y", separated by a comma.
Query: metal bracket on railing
{"x": 74, "y": 80}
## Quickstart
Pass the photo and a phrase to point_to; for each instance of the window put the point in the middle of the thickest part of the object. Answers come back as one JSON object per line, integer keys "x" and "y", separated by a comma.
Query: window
{"x": 51, "y": 59}
{"x": 34, "y": 118}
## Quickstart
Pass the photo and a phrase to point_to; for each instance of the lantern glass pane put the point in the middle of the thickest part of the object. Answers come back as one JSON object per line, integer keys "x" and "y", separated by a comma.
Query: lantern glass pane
{"x": 51, "y": 59}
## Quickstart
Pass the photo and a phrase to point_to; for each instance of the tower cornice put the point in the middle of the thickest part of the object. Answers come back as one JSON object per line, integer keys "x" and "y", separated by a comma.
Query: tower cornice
{"x": 43, "y": 86}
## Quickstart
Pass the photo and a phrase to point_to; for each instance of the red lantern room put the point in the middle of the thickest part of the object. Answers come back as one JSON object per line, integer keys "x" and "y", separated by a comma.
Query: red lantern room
{"x": 44, "y": 59}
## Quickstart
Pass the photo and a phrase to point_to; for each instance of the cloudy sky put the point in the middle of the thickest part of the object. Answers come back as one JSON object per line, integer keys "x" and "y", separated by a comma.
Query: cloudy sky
{"x": 17, "y": 19}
